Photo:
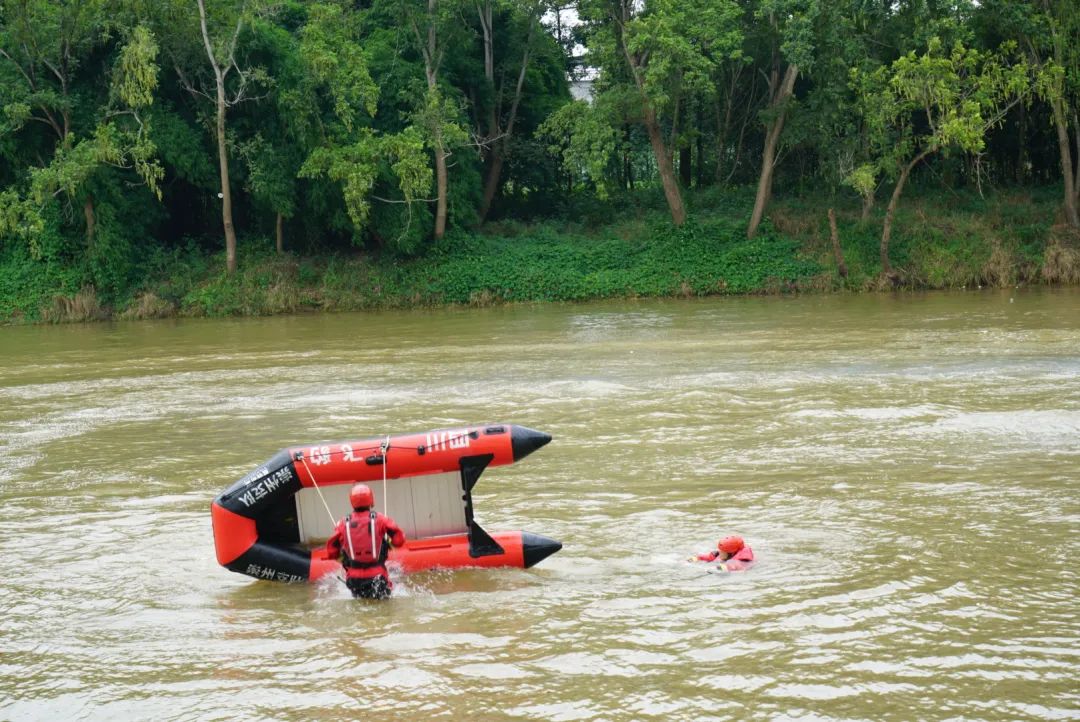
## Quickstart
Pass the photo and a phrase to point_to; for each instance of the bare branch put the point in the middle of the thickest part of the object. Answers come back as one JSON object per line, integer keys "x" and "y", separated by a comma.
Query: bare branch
{"x": 56, "y": 72}
{"x": 414, "y": 200}
{"x": 206, "y": 41}
{"x": 485, "y": 142}
{"x": 46, "y": 121}
{"x": 187, "y": 85}
{"x": 236, "y": 35}
{"x": 22, "y": 70}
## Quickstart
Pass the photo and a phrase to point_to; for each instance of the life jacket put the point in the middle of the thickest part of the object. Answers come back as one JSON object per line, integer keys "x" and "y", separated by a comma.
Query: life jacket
{"x": 743, "y": 560}
{"x": 744, "y": 555}
{"x": 364, "y": 545}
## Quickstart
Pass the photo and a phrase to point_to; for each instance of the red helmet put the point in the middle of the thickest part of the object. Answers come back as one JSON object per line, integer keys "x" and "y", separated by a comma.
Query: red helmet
{"x": 730, "y": 544}
{"x": 361, "y": 497}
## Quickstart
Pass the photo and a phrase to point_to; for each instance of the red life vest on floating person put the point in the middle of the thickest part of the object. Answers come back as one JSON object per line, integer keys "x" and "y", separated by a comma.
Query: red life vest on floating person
{"x": 739, "y": 556}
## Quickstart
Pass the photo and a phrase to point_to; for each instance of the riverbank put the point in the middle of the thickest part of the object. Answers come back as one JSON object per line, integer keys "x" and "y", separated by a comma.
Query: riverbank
{"x": 624, "y": 247}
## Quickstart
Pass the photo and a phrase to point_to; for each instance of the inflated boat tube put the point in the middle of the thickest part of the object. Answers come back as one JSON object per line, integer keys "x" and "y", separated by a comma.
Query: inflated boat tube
{"x": 265, "y": 523}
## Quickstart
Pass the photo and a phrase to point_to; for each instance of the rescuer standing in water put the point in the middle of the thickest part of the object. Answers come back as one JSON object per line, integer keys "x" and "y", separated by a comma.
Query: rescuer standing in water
{"x": 732, "y": 552}
{"x": 360, "y": 540}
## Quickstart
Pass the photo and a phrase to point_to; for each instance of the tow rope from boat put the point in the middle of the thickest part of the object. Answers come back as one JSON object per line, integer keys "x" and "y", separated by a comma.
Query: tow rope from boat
{"x": 384, "y": 450}
{"x": 314, "y": 483}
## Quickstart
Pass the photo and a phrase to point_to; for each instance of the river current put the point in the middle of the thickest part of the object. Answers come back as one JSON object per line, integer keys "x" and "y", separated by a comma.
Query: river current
{"x": 906, "y": 469}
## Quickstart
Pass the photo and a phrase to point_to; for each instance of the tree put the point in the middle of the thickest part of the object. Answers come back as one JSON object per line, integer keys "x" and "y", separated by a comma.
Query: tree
{"x": 204, "y": 46}
{"x": 925, "y": 103}
{"x": 582, "y": 138}
{"x": 349, "y": 151}
{"x": 500, "y": 126}
{"x": 430, "y": 25}
{"x": 221, "y": 52}
{"x": 790, "y": 24}
{"x": 1060, "y": 86}
{"x": 44, "y": 48}
{"x": 669, "y": 50}
{"x": 735, "y": 102}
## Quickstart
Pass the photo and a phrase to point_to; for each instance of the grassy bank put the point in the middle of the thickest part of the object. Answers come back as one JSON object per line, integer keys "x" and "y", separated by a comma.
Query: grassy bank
{"x": 625, "y": 247}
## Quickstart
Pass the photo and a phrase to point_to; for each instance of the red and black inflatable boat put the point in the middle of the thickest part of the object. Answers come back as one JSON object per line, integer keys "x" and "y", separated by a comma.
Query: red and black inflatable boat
{"x": 267, "y": 523}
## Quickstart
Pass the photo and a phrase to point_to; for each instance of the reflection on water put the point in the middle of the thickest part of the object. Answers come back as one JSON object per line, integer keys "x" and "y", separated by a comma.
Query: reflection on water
{"x": 906, "y": 469}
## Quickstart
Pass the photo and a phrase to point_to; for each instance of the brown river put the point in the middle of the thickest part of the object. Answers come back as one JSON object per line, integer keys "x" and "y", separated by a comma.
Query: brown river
{"x": 906, "y": 469}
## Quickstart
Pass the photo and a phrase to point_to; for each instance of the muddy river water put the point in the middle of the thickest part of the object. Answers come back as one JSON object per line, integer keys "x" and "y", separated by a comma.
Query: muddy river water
{"x": 906, "y": 469}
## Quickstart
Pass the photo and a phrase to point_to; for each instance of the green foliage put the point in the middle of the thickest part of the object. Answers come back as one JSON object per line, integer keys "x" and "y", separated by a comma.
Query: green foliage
{"x": 338, "y": 113}
{"x": 80, "y": 145}
{"x": 405, "y": 153}
{"x": 330, "y": 47}
{"x": 559, "y": 262}
{"x": 354, "y": 167}
{"x": 929, "y": 101}
{"x": 136, "y": 72}
{"x": 682, "y": 40}
{"x": 182, "y": 147}
{"x": 354, "y": 155}
{"x": 863, "y": 180}
{"x": 581, "y": 136}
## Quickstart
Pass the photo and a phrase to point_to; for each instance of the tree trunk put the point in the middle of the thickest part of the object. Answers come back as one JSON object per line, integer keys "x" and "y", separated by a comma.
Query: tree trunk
{"x": 1076, "y": 165}
{"x": 772, "y": 139}
{"x": 223, "y": 155}
{"x": 433, "y": 54}
{"x": 867, "y": 206}
{"x": 226, "y": 193}
{"x": 663, "y": 164}
{"x": 656, "y": 136}
{"x": 88, "y": 212}
{"x": 493, "y": 152}
{"x": 485, "y": 12}
{"x": 841, "y": 267}
{"x": 726, "y": 124}
{"x": 722, "y": 126}
{"x": 700, "y": 166}
{"x": 886, "y": 230}
{"x": 489, "y": 46}
{"x": 685, "y": 166}
{"x": 738, "y": 149}
{"x": 1021, "y": 145}
{"x": 491, "y": 184}
{"x": 1065, "y": 152}
{"x": 440, "y": 186}
{"x": 279, "y": 234}
{"x": 498, "y": 156}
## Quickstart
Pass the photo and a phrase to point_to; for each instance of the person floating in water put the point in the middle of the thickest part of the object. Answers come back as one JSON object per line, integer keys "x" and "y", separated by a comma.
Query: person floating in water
{"x": 360, "y": 539}
{"x": 732, "y": 552}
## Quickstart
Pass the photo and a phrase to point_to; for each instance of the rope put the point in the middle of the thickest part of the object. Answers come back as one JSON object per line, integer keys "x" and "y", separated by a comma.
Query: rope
{"x": 314, "y": 483}
{"x": 371, "y": 528}
{"x": 385, "y": 450}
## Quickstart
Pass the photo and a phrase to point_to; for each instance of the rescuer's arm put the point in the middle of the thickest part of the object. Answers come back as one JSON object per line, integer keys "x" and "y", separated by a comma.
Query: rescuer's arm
{"x": 397, "y": 537}
{"x": 333, "y": 544}
{"x": 706, "y": 557}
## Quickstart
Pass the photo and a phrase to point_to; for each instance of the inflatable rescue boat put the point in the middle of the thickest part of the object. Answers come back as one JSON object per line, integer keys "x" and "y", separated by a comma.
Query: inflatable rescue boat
{"x": 267, "y": 523}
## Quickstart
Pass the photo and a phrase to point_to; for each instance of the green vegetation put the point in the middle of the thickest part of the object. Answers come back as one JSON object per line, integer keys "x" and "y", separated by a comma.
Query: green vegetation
{"x": 950, "y": 241}
{"x": 213, "y": 157}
